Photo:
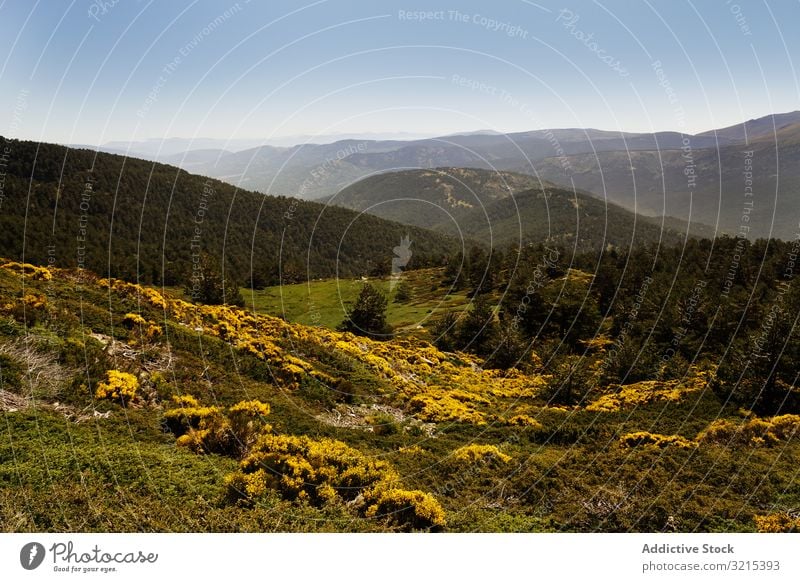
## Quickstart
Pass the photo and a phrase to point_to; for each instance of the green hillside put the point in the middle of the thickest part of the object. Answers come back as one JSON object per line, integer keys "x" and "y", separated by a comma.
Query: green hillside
{"x": 571, "y": 219}
{"x": 501, "y": 208}
{"x": 127, "y": 410}
{"x": 150, "y": 222}
{"x": 431, "y": 198}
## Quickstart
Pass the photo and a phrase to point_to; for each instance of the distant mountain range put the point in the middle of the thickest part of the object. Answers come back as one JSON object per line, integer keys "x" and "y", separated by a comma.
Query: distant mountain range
{"x": 748, "y": 187}
{"x": 312, "y": 171}
{"x": 698, "y": 178}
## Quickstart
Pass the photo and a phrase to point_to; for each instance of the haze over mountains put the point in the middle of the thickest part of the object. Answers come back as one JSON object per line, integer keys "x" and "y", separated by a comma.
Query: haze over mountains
{"x": 699, "y": 177}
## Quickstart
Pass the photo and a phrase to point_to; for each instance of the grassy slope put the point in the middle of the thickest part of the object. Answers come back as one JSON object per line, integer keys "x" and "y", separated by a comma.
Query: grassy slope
{"x": 323, "y": 302}
{"x": 63, "y": 467}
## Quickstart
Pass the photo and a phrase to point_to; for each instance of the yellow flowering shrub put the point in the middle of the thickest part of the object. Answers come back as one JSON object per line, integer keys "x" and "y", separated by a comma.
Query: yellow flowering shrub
{"x": 641, "y": 393}
{"x": 118, "y": 386}
{"x": 148, "y": 329}
{"x": 33, "y": 271}
{"x": 133, "y": 319}
{"x": 647, "y": 439}
{"x": 752, "y": 432}
{"x": 211, "y": 429}
{"x": 186, "y": 400}
{"x": 784, "y": 427}
{"x": 154, "y": 297}
{"x": 34, "y": 301}
{"x": 28, "y": 308}
{"x": 247, "y": 422}
{"x": 525, "y": 421}
{"x": 188, "y": 415}
{"x": 322, "y": 471}
{"x": 249, "y": 409}
{"x": 518, "y": 387}
{"x": 410, "y": 510}
{"x": 464, "y": 396}
{"x": 483, "y": 453}
{"x": 443, "y": 408}
{"x": 777, "y": 523}
{"x": 317, "y": 471}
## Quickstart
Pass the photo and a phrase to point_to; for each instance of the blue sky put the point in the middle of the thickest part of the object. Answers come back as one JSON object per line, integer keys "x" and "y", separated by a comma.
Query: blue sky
{"x": 95, "y": 71}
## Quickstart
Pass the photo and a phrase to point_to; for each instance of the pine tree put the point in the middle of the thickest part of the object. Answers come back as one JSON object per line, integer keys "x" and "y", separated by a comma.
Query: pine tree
{"x": 368, "y": 315}
{"x": 479, "y": 330}
{"x": 207, "y": 285}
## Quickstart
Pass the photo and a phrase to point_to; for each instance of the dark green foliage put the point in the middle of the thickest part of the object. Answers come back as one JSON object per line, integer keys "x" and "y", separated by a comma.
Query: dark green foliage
{"x": 510, "y": 348}
{"x": 368, "y": 315}
{"x": 477, "y": 204}
{"x": 440, "y": 196}
{"x": 346, "y": 391}
{"x": 11, "y": 372}
{"x": 481, "y": 273}
{"x": 384, "y": 424}
{"x": 564, "y": 308}
{"x": 207, "y": 284}
{"x": 402, "y": 293}
{"x": 455, "y": 272}
{"x": 164, "y": 219}
{"x": 478, "y": 330}
{"x": 571, "y": 379}
{"x": 444, "y": 330}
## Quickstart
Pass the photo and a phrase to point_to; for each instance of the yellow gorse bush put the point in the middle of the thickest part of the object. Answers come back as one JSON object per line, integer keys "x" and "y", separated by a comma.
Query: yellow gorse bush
{"x": 27, "y": 308}
{"x": 777, "y": 523}
{"x": 148, "y": 329}
{"x": 317, "y": 471}
{"x": 212, "y": 429}
{"x": 525, "y": 421}
{"x": 38, "y": 273}
{"x": 752, "y": 432}
{"x": 647, "y": 439}
{"x": 34, "y": 301}
{"x": 410, "y": 510}
{"x": 641, "y": 393}
{"x": 322, "y": 471}
{"x": 483, "y": 453}
{"x": 441, "y": 407}
{"x": 118, "y": 386}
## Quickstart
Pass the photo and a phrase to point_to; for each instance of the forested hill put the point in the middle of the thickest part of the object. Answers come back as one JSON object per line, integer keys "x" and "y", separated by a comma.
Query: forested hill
{"x": 501, "y": 208}
{"x": 132, "y": 219}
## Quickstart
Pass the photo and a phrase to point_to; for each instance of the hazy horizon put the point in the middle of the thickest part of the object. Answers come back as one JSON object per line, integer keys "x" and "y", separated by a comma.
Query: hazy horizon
{"x": 99, "y": 72}
{"x": 241, "y": 144}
